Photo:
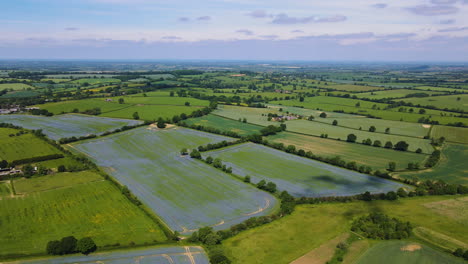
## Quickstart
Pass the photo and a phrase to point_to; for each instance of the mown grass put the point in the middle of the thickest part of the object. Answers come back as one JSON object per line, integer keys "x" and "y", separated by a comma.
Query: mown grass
{"x": 376, "y": 158}
{"x": 457, "y": 101}
{"x": 451, "y": 167}
{"x": 15, "y": 86}
{"x": 397, "y": 93}
{"x": 22, "y": 146}
{"x": 5, "y": 189}
{"x": 96, "y": 80}
{"x": 312, "y": 225}
{"x": 95, "y": 209}
{"x": 81, "y": 105}
{"x": 381, "y": 252}
{"x": 225, "y": 124}
{"x": 451, "y": 134}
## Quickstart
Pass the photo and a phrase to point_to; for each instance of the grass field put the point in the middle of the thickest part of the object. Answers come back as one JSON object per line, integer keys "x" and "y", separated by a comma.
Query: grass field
{"x": 151, "y": 112}
{"x": 458, "y": 101}
{"x": 225, "y": 124}
{"x": 54, "y": 181}
{"x": 451, "y": 167}
{"x": 69, "y": 125}
{"x": 299, "y": 176}
{"x": 81, "y": 105}
{"x": 160, "y": 255}
{"x": 50, "y": 209}
{"x": 162, "y": 100}
{"x": 96, "y": 80}
{"x": 398, "y": 93}
{"x": 406, "y": 252}
{"x": 313, "y": 225}
{"x": 5, "y": 189}
{"x": 337, "y": 132}
{"x": 451, "y": 134}
{"x": 376, "y": 158}
{"x": 187, "y": 194}
{"x": 15, "y": 86}
{"x": 22, "y": 146}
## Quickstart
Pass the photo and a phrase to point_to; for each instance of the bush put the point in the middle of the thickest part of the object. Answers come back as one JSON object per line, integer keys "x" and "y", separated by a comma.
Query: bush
{"x": 86, "y": 245}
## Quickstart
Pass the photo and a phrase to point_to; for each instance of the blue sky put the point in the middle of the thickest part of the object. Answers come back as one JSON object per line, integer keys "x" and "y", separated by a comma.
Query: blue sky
{"x": 367, "y": 30}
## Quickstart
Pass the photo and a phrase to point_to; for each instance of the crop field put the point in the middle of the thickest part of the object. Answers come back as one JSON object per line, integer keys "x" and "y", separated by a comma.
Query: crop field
{"x": 160, "y": 255}
{"x": 458, "y": 101}
{"x": 451, "y": 134}
{"x": 96, "y": 80}
{"x": 376, "y": 158}
{"x": 225, "y": 124}
{"x": 81, "y": 105}
{"x": 69, "y": 125}
{"x": 22, "y": 146}
{"x": 55, "y": 80}
{"x": 49, "y": 209}
{"x": 299, "y": 176}
{"x": 352, "y": 87}
{"x": 397, "y": 93}
{"x": 406, "y": 253}
{"x": 253, "y": 115}
{"x": 187, "y": 194}
{"x": 337, "y": 132}
{"x": 5, "y": 188}
{"x": 451, "y": 167}
{"x": 440, "y": 88}
{"x": 151, "y": 112}
{"x": 313, "y": 225}
{"x": 79, "y": 75}
{"x": 162, "y": 100}
{"x": 159, "y": 76}
{"x": 396, "y": 127}
{"x": 15, "y": 86}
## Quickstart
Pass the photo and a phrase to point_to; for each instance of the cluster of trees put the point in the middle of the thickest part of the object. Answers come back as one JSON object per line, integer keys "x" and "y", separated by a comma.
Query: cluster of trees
{"x": 400, "y": 145}
{"x": 272, "y": 130}
{"x": 218, "y": 145}
{"x": 381, "y": 226}
{"x": 459, "y": 252}
{"x": 92, "y": 111}
{"x": 433, "y": 159}
{"x": 70, "y": 245}
{"x": 36, "y": 159}
{"x": 74, "y": 139}
{"x": 210, "y": 130}
{"x": 43, "y": 112}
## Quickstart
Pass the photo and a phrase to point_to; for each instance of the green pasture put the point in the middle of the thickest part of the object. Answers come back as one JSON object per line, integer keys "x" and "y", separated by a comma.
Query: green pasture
{"x": 313, "y": 225}
{"x": 81, "y": 105}
{"x": 351, "y": 87}
{"x": 451, "y": 167}
{"x": 451, "y": 134}
{"x": 55, "y": 80}
{"x": 376, "y": 158}
{"x": 440, "y": 88}
{"x": 161, "y": 100}
{"x": 397, "y": 93}
{"x": 405, "y": 252}
{"x": 225, "y": 124}
{"x": 15, "y": 86}
{"x": 253, "y": 115}
{"x": 96, "y": 80}
{"x": 22, "y": 146}
{"x": 50, "y": 209}
{"x": 5, "y": 188}
{"x": 151, "y": 112}
{"x": 458, "y": 101}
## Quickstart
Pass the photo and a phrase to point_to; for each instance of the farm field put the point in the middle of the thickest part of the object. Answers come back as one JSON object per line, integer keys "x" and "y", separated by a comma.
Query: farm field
{"x": 160, "y": 255}
{"x": 458, "y": 101}
{"x": 49, "y": 209}
{"x": 337, "y": 132}
{"x": 352, "y": 87}
{"x": 451, "y": 167}
{"x": 162, "y": 100}
{"x": 15, "y": 86}
{"x": 96, "y": 80}
{"x": 225, "y": 124}
{"x": 310, "y": 226}
{"x": 398, "y": 93}
{"x": 192, "y": 194}
{"x": 23, "y": 146}
{"x": 253, "y": 115}
{"x": 376, "y": 158}
{"x": 299, "y": 176}
{"x": 61, "y": 126}
{"x": 151, "y": 112}
{"x": 406, "y": 252}
{"x": 451, "y": 134}
{"x": 81, "y": 105}
{"x": 5, "y": 188}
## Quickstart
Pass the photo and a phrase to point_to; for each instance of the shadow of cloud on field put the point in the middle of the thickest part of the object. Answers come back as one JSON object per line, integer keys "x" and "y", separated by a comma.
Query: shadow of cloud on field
{"x": 333, "y": 180}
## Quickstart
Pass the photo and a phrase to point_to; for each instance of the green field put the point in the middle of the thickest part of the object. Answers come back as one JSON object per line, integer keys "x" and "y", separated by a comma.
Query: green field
{"x": 225, "y": 124}
{"x": 81, "y": 105}
{"x": 458, "y": 101}
{"x": 451, "y": 167}
{"x": 405, "y": 252}
{"x": 313, "y": 225}
{"x": 15, "y": 86}
{"x": 64, "y": 205}
{"x": 22, "y": 146}
{"x": 376, "y": 158}
{"x": 297, "y": 175}
{"x": 151, "y": 112}
{"x": 96, "y": 80}
{"x": 5, "y": 189}
{"x": 451, "y": 134}
{"x": 397, "y": 93}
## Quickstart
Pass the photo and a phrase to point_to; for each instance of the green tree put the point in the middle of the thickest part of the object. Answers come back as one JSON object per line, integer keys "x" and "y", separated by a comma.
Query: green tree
{"x": 387, "y": 130}
{"x": 270, "y": 187}
{"x": 28, "y": 170}
{"x": 372, "y": 128}
{"x": 136, "y": 116}
{"x": 377, "y": 143}
{"x": 61, "y": 168}
{"x": 419, "y": 150}
{"x": 391, "y": 196}
{"x": 68, "y": 244}
{"x": 209, "y": 160}
{"x": 171, "y": 93}
{"x": 160, "y": 123}
{"x": 121, "y": 100}
{"x": 187, "y": 103}
{"x": 388, "y": 145}
{"x": 86, "y": 245}
{"x": 261, "y": 184}
{"x": 351, "y": 138}
{"x": 402, "y": 193}
{"x": 247, "y": 179}
{"x": 54, "y": 247}
{"x": 391, "y": 166}
{"x": 401, "y": 146}
{"x": 217, "y": 163}
{"x": 323, "y": 115}
{"x": 3, "y": 164}
{"x": 335, "y": 122}
{"x": 183, "y": 151}
{"x": 195, "y": 154}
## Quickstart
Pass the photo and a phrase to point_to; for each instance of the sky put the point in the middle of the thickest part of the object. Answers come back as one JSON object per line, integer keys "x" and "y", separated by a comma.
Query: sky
{"x": 315, "y": 30}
